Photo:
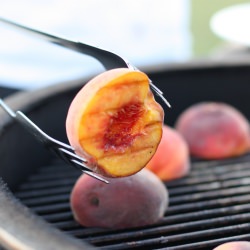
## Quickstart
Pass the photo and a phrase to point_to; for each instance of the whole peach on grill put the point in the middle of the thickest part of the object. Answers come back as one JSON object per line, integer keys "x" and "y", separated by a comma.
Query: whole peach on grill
{"x": 132, "y": 201}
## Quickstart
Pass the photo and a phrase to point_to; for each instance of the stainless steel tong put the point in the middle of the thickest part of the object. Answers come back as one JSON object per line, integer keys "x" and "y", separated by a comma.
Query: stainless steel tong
{"x": 64, "y": 151}
{"x": 108, "y": 59}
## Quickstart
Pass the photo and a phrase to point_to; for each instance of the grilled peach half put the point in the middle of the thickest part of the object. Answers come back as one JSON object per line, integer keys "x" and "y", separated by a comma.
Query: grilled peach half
{"x": 214, "y": 130}
{"x": 115, "y": 122}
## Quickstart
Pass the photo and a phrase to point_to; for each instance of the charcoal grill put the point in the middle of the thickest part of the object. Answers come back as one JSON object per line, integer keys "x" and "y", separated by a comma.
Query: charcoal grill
{"x": 208, "y": 207}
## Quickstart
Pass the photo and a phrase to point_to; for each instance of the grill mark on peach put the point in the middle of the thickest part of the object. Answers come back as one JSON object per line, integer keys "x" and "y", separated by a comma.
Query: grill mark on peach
{"x": 148, "y": 125}
{"x": 107, "y": 110}
{"x": 99, "y": 141}
{"x": 125, "y": 83}
{"x": 131, "y": 152}
{"x": 119, "y": 130}
{"x": 104, "y": 89}
{"x": 89, "y": 138}
{"x": 111, "y": 111}
{"x": 118, "y": 165}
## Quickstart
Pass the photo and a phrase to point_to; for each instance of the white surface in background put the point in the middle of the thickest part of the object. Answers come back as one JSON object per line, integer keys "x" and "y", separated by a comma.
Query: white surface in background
{"x": 146, "y": 32}
{"x": 232, "y": 24}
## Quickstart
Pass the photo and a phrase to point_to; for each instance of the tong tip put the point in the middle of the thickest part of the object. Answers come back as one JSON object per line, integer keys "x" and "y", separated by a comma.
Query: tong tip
{"x": 96, "y": 177}
{"x": 7, "y": 108}
{"x": 160, "y": 94}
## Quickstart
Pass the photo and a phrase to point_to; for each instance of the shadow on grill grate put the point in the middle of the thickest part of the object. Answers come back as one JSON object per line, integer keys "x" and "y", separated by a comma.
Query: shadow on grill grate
{"x": 207, "y": 208}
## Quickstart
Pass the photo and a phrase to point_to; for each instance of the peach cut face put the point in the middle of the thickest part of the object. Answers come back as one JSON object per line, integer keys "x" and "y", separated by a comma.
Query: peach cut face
{"x": 115, "y": 122}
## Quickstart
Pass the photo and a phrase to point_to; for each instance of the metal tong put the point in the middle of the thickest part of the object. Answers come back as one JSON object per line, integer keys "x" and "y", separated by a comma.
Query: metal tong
{"x": 108, "y": 59}
{"x": 64, "y": 151}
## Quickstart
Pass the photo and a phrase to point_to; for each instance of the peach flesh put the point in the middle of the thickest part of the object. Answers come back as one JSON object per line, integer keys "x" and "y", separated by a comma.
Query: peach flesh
{"x": 118, "y": 134}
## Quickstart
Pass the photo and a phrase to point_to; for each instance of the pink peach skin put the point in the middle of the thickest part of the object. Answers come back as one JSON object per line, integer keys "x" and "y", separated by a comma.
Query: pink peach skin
{"x": 137, "y": 200}
{"x": 214, "y": 130}
{"x": 171, "y": 160}
{"x": 236, "y": 245}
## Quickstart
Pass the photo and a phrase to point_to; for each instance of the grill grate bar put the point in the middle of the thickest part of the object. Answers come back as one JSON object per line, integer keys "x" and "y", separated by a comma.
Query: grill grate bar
{"x": 52, "y": 199}
{"x": 49, "y": 209}
{"x": 56, "y": 176}
{"x": 58, "y": 217}
{"x": 67, "y": 225}
{"x": 145, "y": 244}
{"x": 206, "y": 213}
{"x": 223, "y": 164}
{"x": 208, "y": 204}
{"x": 45, "y": 192}
{"x": 50, "y": 183}
{"x": 208, "y": 234}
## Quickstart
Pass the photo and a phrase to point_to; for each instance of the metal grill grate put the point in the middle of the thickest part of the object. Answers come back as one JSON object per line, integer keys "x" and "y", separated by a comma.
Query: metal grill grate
{"x": 207, "y": 208}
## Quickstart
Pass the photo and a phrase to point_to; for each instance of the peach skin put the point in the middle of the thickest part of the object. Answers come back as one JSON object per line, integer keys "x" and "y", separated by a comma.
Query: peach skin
{"x": 234, "y": 245}
{"x": 137, "y": 200}
{"x": 171, "y": 160}
{"x": 214, "y": 130}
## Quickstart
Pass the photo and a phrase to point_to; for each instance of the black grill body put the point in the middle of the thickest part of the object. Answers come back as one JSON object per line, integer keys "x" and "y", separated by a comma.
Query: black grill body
{"x": 208, "y": 207}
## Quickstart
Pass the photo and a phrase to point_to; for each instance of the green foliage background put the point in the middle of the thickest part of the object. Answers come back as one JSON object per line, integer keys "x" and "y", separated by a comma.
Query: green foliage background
{"x": 204, "y": 41}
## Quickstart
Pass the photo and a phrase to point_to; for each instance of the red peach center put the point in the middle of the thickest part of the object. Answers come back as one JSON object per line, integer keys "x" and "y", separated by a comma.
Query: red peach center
{"x": 119, "y": 134}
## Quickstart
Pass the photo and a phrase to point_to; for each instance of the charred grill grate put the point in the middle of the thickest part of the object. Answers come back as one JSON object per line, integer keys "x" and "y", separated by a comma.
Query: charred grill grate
{"x": 207, "y": 208}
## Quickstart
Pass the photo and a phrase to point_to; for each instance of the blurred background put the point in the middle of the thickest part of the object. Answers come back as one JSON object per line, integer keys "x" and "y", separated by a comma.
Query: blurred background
{"x": 149, "y": 33}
